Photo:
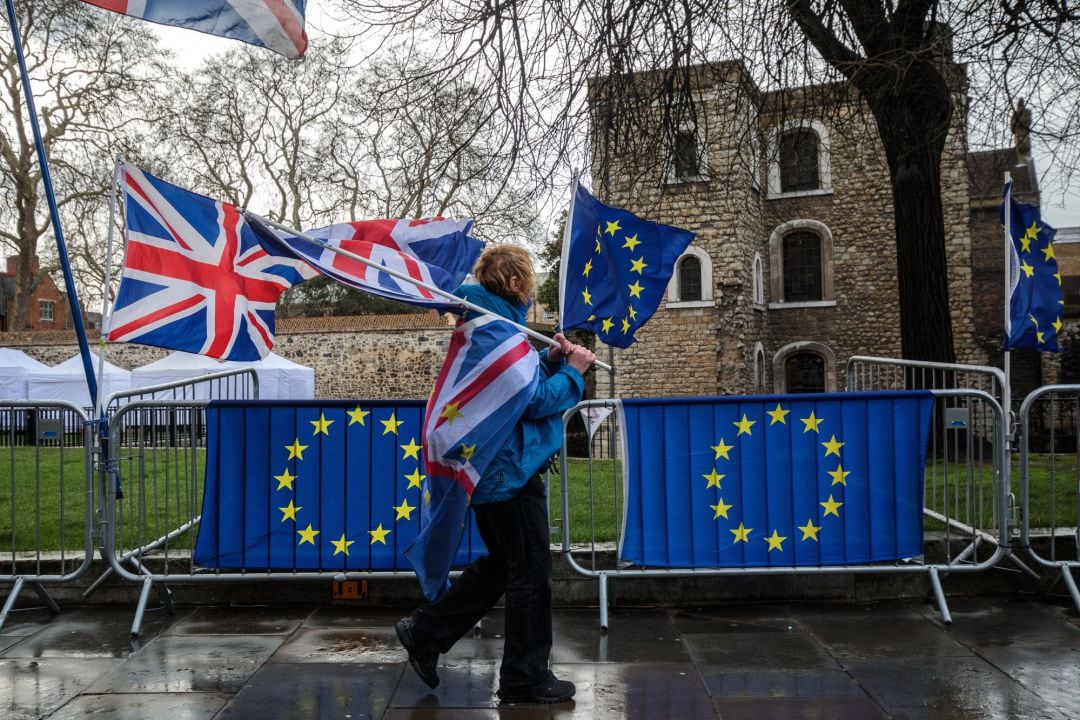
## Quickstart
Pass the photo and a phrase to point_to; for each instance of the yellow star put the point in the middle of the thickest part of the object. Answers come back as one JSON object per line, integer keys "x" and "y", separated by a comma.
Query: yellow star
{"x": 606, "y": 325}
{"x": 744, "y": 425}
{"x": 357, "y": 416}
{"x": 307, "y": 535}
{"x": 587, "y": 269}
{"x": 839, "y": 475}
{"x": 414, "y": 478}
{"x": 322, "y": 425}
{"x": 342, "y": 545}
{"x": 1040, "y": 336}
{"x": 450, "y": 413}
{"x": 831, "y": 506}
{"x": 632, "y": 311}
{"x": 467, "y": 452}
{"x": 1048, "y": 251}
{"x": 776, "y": 541}
{"x": 714, "y": 478}
{"x": 1057, "y": 325}
{"x": 404, "y": 511}
{"x": 412, "y": 450}
{"x": 638, "y": 265}
{"x": 586, "y": 296}
{"x": 378, "y": 535}
{"x": 778, "y": 415}
{"x": 427, "y": 498}
{"x": 1028, "y": 270}
{"x": 285, "y": 480}
{"x": 742, "y": 533}
{"x": 612, "y": 227}
{"x": 635, "y": 289}
{"x": 598, "y": 243}
{"x": 1033, "y": 231}
{"x": 809, "y": 530}
{"x": 1057, "y": 276}
{"x": 296, "y": 450}
{"x": 721, "y": 509}
{"x": 811, "y": 423}
{"x": 289, "y": 511}
{"x": 392, "y": 424}
{"x": 832, "y": 447}
{"x": 625, "y": 326}
{"x": 1025, "y": 243}
{"x": 631, "y": 242}
{"x": 722, "y": 450}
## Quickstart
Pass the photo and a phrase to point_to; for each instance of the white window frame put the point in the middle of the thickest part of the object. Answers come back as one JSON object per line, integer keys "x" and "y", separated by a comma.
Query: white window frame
{"x": 706, "y": 300}
{"x": 51, "y": 305}
{"x": 758, "y": 282}
{"x": 825, "y": 186}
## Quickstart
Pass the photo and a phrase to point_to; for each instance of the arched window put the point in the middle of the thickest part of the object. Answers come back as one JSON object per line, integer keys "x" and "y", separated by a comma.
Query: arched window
{"x": 758, "y": 281}
{"x": 759, "y": 368}
{"x": 689, "y": 279}
{"x": 802, "y": 267}
{"x": 799, "y": 160}
{"x": 805, "y": 373}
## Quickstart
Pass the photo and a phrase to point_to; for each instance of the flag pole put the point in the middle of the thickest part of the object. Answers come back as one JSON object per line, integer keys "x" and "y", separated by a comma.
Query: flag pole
{"x": 108, "y": 276}
{"x": 54, "y": 210}
{"x": 564, "y": 256}
{"x": 435, "y": 290}
{"x": 1006, "y": 392}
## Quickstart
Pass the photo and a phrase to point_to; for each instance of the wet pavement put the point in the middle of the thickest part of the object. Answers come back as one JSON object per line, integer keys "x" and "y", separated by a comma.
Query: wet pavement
{"x": 1003, "y": 657}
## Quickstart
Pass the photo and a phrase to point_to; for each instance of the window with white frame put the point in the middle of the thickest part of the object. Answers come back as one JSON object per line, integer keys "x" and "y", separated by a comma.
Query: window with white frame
{"x": 47, "y": 311}
{"x": 758, "y": 282}
{"x": 801, "y": 265}
{"x": 799, "y": 160}
{"x": 691, "y": 283}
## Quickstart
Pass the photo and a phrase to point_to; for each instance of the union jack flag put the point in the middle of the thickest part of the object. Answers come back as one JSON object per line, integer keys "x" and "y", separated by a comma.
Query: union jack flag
{"x": 195, "y": 278}
{"x": 277, "y": 25}
{"x": 488, "y": 378}
{"x": 435, "y": 251}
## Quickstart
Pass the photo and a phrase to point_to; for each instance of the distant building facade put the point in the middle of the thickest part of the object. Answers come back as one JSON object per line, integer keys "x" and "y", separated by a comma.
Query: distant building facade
{"x": 48, "y": 306}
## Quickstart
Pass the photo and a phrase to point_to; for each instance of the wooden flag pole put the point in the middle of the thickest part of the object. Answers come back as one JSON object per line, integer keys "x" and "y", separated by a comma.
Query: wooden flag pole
{"x": 450, "y": 297}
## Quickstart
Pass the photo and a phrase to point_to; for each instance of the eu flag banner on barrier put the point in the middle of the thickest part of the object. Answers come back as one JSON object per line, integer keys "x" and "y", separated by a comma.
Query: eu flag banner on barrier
{"x": 195, "y": 277}
{"x": 277, "y": 25}
{"x": 315, "y": 486}
{"x": 436, "y": 251}
{"x": 788, "y": 480}
{"x": 1036, "y": 301}
{"x": 615, "y": 268}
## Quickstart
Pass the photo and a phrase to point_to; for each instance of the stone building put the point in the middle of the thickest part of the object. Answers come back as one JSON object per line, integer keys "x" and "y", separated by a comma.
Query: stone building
{"x": 793, "y": 269}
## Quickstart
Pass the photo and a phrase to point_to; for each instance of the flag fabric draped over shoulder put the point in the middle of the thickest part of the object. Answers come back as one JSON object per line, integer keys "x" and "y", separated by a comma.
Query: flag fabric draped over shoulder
{"x": 774, "y": 481}
{"x": 436, "y": 251}
{"x": 277, "y": 25}
{"x": 488, "y": 378}
{"x": 615, "y": 268}
{"x": 1036, "y": 301}
{"x": 315, "y": 486}
{"x": 195, "y": 278}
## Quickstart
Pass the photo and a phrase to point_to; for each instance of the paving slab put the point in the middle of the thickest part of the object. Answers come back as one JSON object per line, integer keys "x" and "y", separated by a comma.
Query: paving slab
{"x": 634, "y": 691}
{"x": 802, "y": 708}
{"x": 173, "y": 706}
{"x": 1005, "y": 621}
{"x": 462, "y": 684}
{"x": 1052, "y": 673}
{"x": 878, "y": 630}
{"x": 315, "y": 690}
{"x": 342, "y": 645}
{"x": 91, "y": 633}
{"x": 642, "y": 636}
{"x": 241, "y": 620}
{"x": 736, "y": 652}
{"x": 35, "y": 688}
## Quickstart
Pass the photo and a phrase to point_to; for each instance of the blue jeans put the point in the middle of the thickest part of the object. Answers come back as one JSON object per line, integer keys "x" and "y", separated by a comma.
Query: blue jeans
{"x": 518, "y": 564}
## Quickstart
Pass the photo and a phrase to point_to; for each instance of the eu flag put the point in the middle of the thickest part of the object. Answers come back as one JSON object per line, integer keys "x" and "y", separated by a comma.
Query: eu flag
{"x": 774, "y": 481}
{"x": 314, "y": 486}
{"x": 1035, "y": 299}
{"x": 615, "y": 268}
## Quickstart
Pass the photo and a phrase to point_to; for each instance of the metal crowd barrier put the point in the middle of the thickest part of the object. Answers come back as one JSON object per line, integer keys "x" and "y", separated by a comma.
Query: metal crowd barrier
{"x": 46, "y": 508}
{"x": 965, "y": 494}
{"x": 1054, "y": 511}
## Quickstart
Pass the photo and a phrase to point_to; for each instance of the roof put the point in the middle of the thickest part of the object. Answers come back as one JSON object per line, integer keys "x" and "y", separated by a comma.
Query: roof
{"x": 1067, "y": 235}
{"x": 986, "y": 174}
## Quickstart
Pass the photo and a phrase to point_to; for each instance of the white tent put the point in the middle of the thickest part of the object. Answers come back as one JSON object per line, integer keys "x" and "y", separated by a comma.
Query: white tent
{"x": 15, "y": 369}
{"x": 279, "y": 379}
{"x": 174, "y": 367}
{"x": 67, "y": 381}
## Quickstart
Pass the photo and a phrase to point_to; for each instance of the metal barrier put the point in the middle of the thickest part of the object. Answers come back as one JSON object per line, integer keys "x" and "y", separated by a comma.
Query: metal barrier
{"x": 46, "y": 510}
{"x": 964, "y": 496}
{"x": 1055, "y": 508}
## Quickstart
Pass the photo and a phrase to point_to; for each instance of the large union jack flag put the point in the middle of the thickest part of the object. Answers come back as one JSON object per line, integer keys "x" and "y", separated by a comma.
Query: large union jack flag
{"x": 195, "y": 277}
{"x": 488, "y": 378}
{"x": 435, "y": 251}
{"x": 277, "y": 25}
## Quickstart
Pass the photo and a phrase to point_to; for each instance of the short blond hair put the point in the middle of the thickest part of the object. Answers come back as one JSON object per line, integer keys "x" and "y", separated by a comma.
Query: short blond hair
{"x": 498, "y": 264}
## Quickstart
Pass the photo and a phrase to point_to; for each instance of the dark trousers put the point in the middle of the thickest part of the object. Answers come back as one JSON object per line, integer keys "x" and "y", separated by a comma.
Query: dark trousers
{"x": 519, "y": 564}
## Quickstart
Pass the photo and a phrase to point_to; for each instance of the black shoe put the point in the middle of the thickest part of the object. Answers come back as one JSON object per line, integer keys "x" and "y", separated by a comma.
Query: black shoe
{"x": 553, "y": 690}
{"x": 423, "y": 660}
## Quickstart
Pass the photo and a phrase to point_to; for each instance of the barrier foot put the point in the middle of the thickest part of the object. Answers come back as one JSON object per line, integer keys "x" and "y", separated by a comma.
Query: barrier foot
{"x": 603, "y": 602}
{"x": 98, "y": 583}
{"x": 166, "y": 598}
{"x": 144, "y": 598}
{"x": 1066, "y": 577}
{"x": 46, "y": 598}
{"x": 11, "y": 599}
{"x": 1024, "y": 567}
{"x": 939, "y": 595}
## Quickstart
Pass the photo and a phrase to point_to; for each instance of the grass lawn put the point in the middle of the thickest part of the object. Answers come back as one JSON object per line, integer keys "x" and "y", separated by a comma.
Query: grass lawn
{"x": 48, "y": 507}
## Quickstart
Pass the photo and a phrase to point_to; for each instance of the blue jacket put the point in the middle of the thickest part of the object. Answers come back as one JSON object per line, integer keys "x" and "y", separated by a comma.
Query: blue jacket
{"x": 538, "y": 434}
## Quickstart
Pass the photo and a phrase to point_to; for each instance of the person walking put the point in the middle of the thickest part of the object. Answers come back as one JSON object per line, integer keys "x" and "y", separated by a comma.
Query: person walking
{"x": 510, "y": 508}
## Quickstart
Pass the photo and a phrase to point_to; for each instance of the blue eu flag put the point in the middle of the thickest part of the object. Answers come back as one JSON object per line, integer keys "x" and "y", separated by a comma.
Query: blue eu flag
{"x": 774, "y": 481}
{"x": 1036, "y": 301}
{"x": 314, "y": 486}
{"x": 615, "y": 268}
